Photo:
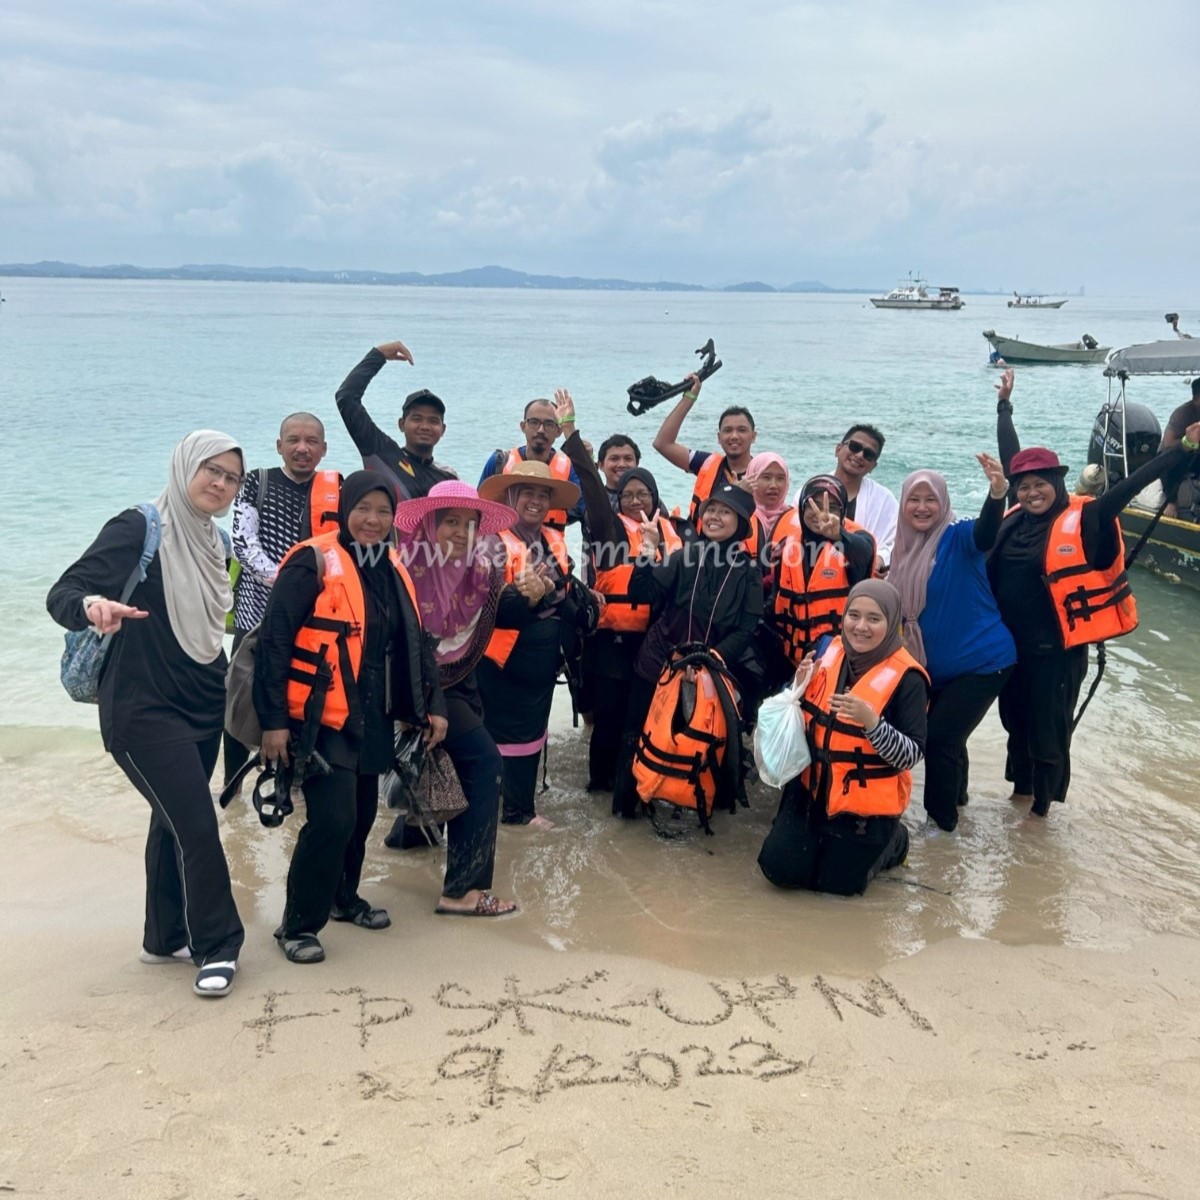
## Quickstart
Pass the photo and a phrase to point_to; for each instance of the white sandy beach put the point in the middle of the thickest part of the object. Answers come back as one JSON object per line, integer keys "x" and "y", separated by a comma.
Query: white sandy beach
{"x": 693, "y": 1034}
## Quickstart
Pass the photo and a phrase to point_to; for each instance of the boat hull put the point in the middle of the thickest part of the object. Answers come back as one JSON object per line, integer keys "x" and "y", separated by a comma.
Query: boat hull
{"x": 1172, "y": 550}
{"x": 1038, "y": 304}
{"x": 1014, "y": 351}
{"x": 936, "y": 305}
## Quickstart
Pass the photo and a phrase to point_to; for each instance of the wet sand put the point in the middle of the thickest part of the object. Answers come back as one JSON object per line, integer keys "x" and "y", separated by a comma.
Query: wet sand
{"x": 656, "y": 1020}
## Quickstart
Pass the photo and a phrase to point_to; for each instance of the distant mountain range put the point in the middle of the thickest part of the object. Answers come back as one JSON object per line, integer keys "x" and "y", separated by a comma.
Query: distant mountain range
{"x": 476, "y": 277}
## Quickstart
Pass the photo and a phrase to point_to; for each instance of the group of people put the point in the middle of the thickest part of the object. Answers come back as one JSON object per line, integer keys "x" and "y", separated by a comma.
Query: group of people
{"x": 402, "y": 597}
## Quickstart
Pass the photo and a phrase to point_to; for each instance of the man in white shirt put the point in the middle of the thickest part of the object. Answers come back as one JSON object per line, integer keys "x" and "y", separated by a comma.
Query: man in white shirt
{"x": 871, "y": 505}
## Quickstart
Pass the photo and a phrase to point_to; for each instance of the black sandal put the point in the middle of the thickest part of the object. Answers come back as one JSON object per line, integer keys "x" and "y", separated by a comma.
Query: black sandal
{"x": 300, "y": 947}
{"x": 360, "y": 913}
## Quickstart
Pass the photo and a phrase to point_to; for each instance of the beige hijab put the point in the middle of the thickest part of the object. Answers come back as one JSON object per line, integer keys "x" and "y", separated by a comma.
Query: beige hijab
{"x": 192, "y": 554}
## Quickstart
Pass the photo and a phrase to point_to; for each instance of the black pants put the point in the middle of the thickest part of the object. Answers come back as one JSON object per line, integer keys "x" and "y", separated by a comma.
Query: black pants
{"x": 189, "y": 900}
{"x": 954, "y": 714}
{"x": 471, "y": 836}
{"x": 625, "y": 797}
{"x": 610, "y": 705}
{"x": 328, "y": 859}
{"x": 518, "y": 788}
{"x": 806, "y": 848}
{"x": 1037, "y": 706}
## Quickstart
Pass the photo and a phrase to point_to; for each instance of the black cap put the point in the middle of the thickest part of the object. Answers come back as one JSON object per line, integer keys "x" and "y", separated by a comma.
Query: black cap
{"x": 738, "y": 499}
{"x": 425, "y": 397}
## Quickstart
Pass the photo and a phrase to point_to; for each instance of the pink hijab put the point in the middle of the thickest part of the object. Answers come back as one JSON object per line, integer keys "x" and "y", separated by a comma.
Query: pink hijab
{"x": 757, "y": 465}
{"x": 913, "y": 556}
{"x": 451, "y": 593}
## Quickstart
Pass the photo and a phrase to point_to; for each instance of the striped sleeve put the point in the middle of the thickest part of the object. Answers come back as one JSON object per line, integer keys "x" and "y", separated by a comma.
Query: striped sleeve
{"x": 895, "y": 748}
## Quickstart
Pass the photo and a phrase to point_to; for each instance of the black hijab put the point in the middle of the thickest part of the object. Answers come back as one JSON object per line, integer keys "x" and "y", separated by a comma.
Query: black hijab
{"x": 1027, "y": 537}
{"x": 639, "y": 473}
{"x": 814, "y": 489}
{"x": 354, "y": 488}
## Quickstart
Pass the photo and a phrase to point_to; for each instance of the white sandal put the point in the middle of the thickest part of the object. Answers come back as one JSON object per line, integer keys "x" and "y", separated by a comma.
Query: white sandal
{"x": 182, "y": 955}
{"x": 214, "y": 979}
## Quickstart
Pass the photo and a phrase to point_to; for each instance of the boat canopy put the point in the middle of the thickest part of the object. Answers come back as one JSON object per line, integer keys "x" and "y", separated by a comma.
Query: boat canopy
{"x": 1176, "y": 357}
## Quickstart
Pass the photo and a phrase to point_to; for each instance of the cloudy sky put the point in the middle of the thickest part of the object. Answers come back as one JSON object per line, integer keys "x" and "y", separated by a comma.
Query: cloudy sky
{"x": 1037, "y": 145}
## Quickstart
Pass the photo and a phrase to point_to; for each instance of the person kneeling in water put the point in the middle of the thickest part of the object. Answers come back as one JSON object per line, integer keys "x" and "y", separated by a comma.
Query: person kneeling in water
{"x": 839, "y": 823}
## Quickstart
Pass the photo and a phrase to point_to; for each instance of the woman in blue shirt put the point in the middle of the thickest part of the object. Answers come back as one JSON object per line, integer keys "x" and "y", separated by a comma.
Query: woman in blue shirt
{"x": 951, "y": 623}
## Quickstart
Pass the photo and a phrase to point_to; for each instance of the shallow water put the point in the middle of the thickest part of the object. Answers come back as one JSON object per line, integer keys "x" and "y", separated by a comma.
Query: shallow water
{"x": 99, "y": 379}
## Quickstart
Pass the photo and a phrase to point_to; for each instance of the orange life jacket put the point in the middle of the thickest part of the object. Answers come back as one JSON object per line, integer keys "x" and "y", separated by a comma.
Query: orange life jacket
{"x": 620, "y": 613}
{"x": 706, "y": 479}
{"x": 323, "y": 502}
{"x": 678, "y": 757}
{"x": 1091, "y": 605}
{"x": 330, "y": 642}
{"x": 846, "y": 771}
{"x": 517, "y": 560}
{"x": 805, "y": 610}
{"x": 560, "y": 468}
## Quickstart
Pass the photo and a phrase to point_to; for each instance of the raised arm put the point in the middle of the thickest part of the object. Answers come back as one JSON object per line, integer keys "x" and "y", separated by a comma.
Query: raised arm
{"x": 666, "y": 441}
{"x": 1007, "y": 441}
{"x": 987, "y": 526}
{"x": 602, "y": 521}
{"x": 368, "y": 437}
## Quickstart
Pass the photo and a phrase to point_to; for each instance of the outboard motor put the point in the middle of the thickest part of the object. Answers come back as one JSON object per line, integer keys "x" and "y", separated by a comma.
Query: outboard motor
{"x": 1118, "y": 435}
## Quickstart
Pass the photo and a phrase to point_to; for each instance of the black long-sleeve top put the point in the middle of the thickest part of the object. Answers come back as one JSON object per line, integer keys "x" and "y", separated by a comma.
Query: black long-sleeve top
{"x": 151, "y": 690}
{"x": 1018, "y": 578}
{"x": 364, "y": 744}
{"x": 709, "y": 592}
{"x": 413, "y": 475}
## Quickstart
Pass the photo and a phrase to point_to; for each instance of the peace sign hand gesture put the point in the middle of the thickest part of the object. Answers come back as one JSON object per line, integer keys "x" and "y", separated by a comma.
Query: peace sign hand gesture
{"x": 827, "y": 523}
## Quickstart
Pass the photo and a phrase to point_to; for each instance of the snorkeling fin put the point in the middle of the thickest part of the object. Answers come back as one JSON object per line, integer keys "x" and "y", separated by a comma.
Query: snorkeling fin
{"x": 648, "y": 392}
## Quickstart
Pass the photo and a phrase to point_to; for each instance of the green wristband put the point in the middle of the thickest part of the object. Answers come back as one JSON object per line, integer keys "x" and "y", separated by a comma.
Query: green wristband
{"x": 1188, "y": 445}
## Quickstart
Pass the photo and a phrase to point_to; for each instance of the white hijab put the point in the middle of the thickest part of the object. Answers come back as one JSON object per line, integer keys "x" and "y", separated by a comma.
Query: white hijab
{"x": 192, "y": 554}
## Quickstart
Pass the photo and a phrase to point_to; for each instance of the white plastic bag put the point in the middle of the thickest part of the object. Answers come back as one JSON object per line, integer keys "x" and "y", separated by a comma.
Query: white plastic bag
{"x": 780, "y": 747}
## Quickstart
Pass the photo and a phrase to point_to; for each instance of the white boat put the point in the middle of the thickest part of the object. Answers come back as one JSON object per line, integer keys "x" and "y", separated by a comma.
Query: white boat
{"x": 915, "y": 293}
{"x": 1020, "y": 301}
{"x": 1012, "y": 350}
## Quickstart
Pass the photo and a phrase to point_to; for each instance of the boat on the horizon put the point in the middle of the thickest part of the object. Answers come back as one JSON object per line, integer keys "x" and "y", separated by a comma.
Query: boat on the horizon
{"x": 1031, "y": 301}
{"x": 1124, "y": 436}
{"x": 915, "y": 293}
{"x": 1013, "y": 350}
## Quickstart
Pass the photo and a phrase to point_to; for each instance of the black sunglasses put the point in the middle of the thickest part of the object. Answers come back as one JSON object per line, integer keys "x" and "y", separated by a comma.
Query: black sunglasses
{"x": 856, "y": 447}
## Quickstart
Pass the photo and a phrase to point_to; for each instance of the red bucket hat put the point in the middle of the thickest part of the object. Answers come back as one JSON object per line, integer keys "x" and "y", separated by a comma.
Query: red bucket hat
{"x": 1037, "y": 460}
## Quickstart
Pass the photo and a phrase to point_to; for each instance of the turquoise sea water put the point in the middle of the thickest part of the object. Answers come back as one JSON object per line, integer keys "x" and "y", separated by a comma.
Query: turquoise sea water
{"x": 99, "y": 379}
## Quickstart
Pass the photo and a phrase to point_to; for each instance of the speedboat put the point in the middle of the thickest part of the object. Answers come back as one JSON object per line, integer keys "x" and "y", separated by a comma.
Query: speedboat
{"x": 1124, "y": 436}
{"x": 1012, "y": 350}
{"x": 915, "y": 293}
{"x": 1019, "y": 301}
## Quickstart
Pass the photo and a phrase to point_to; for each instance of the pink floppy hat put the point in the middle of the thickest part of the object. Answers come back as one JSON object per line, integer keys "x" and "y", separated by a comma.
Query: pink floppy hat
{"x": 453, "y": 493}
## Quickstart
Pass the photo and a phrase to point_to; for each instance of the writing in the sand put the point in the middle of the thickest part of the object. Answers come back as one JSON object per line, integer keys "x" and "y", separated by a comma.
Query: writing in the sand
{"x": 640, "y": 1049}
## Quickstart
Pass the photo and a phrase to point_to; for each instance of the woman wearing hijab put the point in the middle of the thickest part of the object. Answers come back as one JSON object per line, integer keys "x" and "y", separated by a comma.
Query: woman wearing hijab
{"x": 708, "y": 594}
{"x": 769, "y": 482}
{"x": 535, "y": 621}
{"x": 839, "y": 822}
{"x": 818, "y": 555}
{"x": 341, "y": 644}
{"x": 1057, "y": 571}
{"x": 951, "y": 624}
{"x": 445, "y": 545}
{"x": 616, "y": 541}
{"x": 162, "y": 696}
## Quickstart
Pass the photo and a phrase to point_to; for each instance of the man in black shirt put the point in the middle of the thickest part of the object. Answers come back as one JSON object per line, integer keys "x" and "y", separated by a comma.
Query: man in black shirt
{"x": 422, "y": 422}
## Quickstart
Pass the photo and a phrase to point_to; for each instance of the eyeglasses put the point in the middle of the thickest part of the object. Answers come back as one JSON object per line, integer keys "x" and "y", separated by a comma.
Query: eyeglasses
{"x": 549, "y": 425}
{"x": 217, "y": 474}
{"x": 636, "y": 497}
{"x": 856, "y": 447}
